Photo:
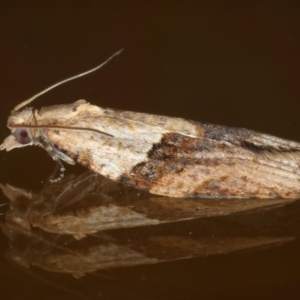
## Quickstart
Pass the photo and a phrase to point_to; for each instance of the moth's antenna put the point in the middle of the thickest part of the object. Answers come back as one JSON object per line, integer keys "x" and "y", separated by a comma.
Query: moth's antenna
{"x": 24, "y": 103}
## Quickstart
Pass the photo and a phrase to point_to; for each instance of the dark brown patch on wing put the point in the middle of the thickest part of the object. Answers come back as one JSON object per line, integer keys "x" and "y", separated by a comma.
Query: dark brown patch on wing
{"x": 245, "y": 138}
{"x": 223, "y": 133}
{"x": 175, "y": 146}
{"x": 171, "y": 156}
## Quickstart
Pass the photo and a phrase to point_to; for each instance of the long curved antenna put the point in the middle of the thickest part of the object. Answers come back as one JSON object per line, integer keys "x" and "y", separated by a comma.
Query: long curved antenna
{"x": 24, "y": 103}
{"x": 58, "y": 127}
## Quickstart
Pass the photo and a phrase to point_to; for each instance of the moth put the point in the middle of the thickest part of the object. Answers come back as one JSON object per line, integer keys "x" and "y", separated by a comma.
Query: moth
{"x": 163, "y": 155}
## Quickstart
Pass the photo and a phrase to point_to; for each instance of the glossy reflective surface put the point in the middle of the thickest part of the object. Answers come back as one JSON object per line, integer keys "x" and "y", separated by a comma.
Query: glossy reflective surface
{"x": 87, "y": 238}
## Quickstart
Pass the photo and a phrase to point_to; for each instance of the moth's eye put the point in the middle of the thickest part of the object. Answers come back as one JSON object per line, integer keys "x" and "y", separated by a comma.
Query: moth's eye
{"x": 23, "y": 135}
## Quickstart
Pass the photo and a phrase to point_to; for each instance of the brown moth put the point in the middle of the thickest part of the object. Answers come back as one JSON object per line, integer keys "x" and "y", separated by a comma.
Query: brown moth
{"x": 163, "y": 155}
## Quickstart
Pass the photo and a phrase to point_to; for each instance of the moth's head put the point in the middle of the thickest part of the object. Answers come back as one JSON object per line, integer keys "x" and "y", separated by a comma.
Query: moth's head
{"x": 21, "y": 115}
{"x": 20, "y": 134}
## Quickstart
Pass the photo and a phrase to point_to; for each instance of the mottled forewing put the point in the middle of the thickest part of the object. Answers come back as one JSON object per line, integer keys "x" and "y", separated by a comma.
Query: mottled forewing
{"x": 183, "y": 166}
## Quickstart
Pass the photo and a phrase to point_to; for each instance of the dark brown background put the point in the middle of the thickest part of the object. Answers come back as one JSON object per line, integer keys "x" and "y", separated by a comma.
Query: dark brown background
{"x": 235, "y": 63}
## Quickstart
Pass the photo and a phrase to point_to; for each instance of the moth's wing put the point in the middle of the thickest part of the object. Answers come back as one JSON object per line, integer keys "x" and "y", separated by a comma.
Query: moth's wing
{"x": 196, "y": 160}
{"x": 183, "y": 166}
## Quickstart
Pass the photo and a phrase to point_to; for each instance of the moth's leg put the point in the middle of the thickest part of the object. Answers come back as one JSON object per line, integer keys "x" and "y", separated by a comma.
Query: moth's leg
{"x": 61, "y": 169}
{"x": 53, "y": 173}
{"x": 57, "y": 156}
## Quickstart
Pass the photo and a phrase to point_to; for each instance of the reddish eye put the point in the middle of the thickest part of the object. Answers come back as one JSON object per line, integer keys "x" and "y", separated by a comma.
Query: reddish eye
{"x": 23, "y": 136}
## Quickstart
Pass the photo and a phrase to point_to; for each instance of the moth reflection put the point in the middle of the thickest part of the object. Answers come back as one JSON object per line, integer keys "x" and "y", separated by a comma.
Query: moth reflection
{"x": 91, "y": 203}
{"x": 87, "y": 223}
